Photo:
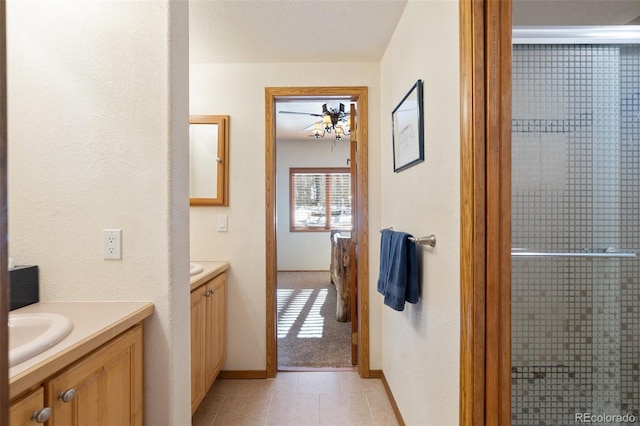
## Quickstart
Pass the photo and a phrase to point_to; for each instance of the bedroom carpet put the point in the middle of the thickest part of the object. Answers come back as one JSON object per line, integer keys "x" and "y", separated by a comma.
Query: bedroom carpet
{"x": 308, "y": 333}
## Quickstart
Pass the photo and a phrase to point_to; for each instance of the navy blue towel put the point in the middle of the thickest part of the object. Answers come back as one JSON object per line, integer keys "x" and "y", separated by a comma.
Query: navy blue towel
{"x": 398, "y": 278}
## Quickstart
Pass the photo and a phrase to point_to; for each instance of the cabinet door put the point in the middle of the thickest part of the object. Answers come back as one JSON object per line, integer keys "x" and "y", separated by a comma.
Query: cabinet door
{"x": 21, "y": 411}
{"x": 215, "y": 328}
{"x": 198, "y": 307}
{"x": 106, "y": 386}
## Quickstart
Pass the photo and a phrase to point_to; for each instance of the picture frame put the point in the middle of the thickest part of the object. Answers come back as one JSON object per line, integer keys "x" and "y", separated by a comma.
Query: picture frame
{"x": 408, "y": 129}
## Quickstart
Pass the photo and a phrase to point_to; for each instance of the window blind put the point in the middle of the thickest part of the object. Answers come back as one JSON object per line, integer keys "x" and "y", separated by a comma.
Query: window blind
{"x": 320, "y": 199}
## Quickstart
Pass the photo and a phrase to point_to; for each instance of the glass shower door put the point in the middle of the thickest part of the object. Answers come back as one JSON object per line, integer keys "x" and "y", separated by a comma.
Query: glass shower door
{"x": 575, "y": 234}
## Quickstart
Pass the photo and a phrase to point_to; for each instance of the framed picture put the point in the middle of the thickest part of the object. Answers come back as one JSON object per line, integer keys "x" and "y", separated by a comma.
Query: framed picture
{"x": 408, "y": 130}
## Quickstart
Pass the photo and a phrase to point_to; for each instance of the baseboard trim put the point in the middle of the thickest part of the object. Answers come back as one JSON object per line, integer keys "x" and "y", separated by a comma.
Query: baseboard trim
{"x": 396, "y": 410}
{"x": 242, "y": 374}
{"x": 375, "y": 374}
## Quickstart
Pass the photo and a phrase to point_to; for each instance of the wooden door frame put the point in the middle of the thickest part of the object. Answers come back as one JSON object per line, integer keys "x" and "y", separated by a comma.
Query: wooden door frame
{"x": 358, "y": 94}
{"x": 485, "y": 251}
{"x": 4, "y": 249}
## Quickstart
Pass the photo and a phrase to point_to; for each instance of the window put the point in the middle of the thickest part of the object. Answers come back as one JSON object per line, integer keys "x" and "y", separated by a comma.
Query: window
{"x": 318, "y": 194}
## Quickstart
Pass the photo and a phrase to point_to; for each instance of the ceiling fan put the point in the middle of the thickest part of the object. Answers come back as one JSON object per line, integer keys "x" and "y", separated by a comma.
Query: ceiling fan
{"x": 332, "y": 119}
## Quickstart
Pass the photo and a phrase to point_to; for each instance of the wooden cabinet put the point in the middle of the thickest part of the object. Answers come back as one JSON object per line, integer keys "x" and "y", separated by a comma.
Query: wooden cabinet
{"x": 25, "y": 411}
{"x": 198, "y": 303}
{"x": 208, "y": 336}
{"x": 215, "y": 329}
{"x": 102, "y": 389}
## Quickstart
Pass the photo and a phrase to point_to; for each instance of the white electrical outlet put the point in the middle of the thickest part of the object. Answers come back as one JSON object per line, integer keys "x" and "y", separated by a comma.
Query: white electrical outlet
{"x": 112, "y": 243}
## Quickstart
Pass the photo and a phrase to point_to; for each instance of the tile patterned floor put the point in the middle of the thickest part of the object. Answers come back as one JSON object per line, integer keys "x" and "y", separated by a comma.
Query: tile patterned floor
{"x": 300, "y": 399}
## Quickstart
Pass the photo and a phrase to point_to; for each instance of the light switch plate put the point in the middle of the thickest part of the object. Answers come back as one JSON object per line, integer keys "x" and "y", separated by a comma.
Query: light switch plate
{"x": 222, "y": 223}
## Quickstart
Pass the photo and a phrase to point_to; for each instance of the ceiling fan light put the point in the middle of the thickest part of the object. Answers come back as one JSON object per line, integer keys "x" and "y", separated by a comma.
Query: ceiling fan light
{"x": 326, "y": 121}
{"x": 318, "y": 131}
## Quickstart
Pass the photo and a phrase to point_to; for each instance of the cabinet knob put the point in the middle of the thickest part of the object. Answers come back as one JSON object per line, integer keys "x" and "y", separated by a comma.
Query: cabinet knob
{"x": 41, "y": 416}
{"x": 67, "y": 396}
{"x": 209, "y": 293}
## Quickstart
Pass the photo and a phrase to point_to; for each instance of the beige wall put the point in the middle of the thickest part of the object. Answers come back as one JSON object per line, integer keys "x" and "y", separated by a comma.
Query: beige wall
{"x": 238, "y": 90}
{"x": 304, "y": 251}
{"x": 420, "y": 345}
{"x": 97, "y": 116}
{"x": 98, "y": 139}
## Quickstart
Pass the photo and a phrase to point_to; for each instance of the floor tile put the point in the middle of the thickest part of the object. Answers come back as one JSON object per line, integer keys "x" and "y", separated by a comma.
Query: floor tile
{"x": 381, "y": 409}
{"x": 319, "y": 383}
{"x": 295, "y": 410}
{"x": 352, "y": 383}
{"x": 299, "y": 399}
{"x": 345, "y": 410}
{"x": 248, "y": 410}
{"x": 232, "y": 387}
{"x": 284, "y": 383}
{"x": 207, "y": 410}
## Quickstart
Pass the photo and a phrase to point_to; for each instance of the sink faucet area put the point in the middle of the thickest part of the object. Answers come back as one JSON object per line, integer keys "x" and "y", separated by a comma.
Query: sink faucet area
{"x": 33, "y": 333}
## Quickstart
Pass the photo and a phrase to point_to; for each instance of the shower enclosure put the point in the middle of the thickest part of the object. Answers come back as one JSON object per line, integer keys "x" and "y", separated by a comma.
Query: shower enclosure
{"x": 575, "y": 230}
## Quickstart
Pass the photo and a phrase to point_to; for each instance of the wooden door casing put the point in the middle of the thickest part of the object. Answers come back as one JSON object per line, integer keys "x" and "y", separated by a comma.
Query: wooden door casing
{"x": 359, "y": 95}
{"x": 485, "y": 240}
{"x": 353, "y": 271}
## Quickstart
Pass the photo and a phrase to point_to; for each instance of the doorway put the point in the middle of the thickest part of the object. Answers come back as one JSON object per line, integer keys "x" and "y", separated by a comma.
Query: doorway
{"x": 359, "y": 245}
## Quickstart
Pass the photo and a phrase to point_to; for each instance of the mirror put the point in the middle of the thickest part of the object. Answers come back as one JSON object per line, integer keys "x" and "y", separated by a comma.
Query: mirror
{"x": 209, "y": 160}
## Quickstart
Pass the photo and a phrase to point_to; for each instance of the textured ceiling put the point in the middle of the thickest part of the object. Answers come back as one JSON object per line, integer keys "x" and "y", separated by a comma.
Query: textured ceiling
{"x": 291, "y": 31}
{"x": 265, "y": 31}
{"x": 232, "y": 31}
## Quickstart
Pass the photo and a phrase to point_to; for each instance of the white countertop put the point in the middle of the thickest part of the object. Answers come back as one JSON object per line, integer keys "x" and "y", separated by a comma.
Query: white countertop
{"x": 211, "y": 270}
{"x": 94, "y": 323}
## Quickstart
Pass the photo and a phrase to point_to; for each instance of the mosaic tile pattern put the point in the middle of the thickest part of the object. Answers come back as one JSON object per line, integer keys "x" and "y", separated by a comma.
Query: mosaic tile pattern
{"x": 576, "y": 187}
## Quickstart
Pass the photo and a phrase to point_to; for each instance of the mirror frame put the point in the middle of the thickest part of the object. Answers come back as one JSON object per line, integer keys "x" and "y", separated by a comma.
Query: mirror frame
{"x": 222, "y": 191}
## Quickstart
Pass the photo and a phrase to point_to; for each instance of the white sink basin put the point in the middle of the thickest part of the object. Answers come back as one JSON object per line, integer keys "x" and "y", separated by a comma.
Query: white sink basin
{"x": 195, "y": 269}
{"x": 31, "y": 334}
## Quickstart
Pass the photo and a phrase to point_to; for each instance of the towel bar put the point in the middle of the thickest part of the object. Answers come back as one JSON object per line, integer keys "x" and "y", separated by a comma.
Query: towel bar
{"x": 429, "y": 240}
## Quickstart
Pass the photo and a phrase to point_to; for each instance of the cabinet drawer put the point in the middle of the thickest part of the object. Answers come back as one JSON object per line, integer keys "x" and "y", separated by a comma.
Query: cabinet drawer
{"x": 21, "y": 412}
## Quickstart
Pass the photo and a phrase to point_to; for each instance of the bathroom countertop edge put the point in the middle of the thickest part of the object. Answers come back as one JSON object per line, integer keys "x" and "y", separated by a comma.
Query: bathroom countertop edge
{"x": 86, "y": 336}
{"x": 211, "y": 270}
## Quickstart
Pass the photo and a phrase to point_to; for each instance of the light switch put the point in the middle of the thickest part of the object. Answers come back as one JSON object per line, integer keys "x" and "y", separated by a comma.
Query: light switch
{"x": 222, "y": 223}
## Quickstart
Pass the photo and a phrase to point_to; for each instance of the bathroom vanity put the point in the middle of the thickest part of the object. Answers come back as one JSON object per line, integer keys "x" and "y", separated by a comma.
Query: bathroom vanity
{"x": 208, "y": 327}
{"x": 98, "y": 364}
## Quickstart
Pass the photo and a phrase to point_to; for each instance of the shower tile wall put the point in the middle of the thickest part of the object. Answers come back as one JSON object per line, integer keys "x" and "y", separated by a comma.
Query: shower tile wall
{"x": 576, "y": 182}
{"x": 630, "y": 222}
